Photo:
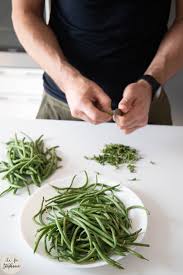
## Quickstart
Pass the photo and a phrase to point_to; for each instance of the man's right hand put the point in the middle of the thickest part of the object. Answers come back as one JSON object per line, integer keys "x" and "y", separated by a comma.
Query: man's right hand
{"x": 87, "y": 101}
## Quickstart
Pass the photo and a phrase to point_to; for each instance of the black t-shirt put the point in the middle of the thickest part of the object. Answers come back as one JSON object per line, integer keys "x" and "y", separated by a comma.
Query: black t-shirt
{"x": 110, "y": 42}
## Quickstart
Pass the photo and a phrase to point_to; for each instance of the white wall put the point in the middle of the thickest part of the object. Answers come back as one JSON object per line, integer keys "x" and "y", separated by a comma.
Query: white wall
{"x": 174, "y": 88}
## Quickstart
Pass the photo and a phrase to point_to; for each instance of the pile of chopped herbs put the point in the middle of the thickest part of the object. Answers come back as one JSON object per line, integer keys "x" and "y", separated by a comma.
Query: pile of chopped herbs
{"x": 28, "y": 162}
{"x": 117, "y": 155}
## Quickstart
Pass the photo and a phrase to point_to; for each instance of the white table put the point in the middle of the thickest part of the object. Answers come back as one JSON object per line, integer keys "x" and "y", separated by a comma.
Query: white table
{"x": 160, "y": 186}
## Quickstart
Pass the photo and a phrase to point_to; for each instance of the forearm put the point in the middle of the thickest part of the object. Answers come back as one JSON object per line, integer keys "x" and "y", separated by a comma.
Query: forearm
{"x": 42, "y": 45}
{"x": 169, "y": 57}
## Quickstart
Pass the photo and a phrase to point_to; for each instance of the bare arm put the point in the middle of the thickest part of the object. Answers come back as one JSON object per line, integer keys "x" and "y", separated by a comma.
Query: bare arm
{"x": 167, "y": 61}
{"x": 40, "y": 42}
{"x": 169, "y": 58}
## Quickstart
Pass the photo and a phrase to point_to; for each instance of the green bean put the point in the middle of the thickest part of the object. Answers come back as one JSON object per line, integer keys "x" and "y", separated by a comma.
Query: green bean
{"x": 39, "y": 213}
{"x": 74, "y": 239}
{"x": 106, "y": 258}
{"x": 13, "y": 168}
{"x": 136, "y": 254}
{"x": 39, "y": 239}
{"x": 87, "y": 257}
{"x": 15, "y": 185}
{"x": 95, "y": 227}
{"x": 34, "y": 180}
{"x": 6, "y": 191}
{"x": 28, "y": 162}
{"x": 101, "y": 224}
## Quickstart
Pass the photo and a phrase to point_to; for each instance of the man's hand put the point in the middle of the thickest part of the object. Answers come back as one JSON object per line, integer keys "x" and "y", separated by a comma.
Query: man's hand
{"x": 85, "y": 98}
{"x": 87, "y": 101}
{"x": 135, "y": 104}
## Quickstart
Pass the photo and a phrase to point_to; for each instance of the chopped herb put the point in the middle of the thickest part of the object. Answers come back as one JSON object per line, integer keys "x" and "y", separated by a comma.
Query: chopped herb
{"x": 131, "y": 167}
{"x": 134, "y": 179}
{"x": 117, "y": 155}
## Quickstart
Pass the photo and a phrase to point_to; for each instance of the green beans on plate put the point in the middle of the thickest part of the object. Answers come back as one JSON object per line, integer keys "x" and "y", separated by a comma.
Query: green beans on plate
{"x": 29, "y": 162}
{"x": 86, "y": 224}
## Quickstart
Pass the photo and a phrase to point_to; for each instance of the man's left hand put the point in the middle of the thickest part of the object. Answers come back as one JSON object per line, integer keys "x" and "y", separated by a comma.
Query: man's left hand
{"x": 135, "y": 104}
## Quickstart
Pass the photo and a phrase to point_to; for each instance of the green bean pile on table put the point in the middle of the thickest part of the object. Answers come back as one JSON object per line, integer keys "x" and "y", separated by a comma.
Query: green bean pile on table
{"x": 29, "y": 162}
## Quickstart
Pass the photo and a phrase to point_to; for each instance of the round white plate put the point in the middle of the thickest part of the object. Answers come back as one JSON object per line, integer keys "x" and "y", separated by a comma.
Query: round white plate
{"x": 32, "y": 206}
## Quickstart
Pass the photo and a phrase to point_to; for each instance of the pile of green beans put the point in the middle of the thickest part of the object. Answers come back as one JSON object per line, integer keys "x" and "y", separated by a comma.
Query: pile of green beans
{"x": 29, "y": 162}
{"x": 86, "y": 224}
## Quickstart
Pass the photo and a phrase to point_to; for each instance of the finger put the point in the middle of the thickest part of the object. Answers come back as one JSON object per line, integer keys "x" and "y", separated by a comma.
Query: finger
{"x": 94, "y": 114}
{"x": 136, "y": 114}
{"x": 140, "y": 121}
{"x": 85, "y": 118}
{"x": 133, "y": 125}
{"x": 131, "y": 130}
{"x": 127, "y": 121}
{"x": 103, "y": 101}
{"x": 129, "y": 98}
{"x": 124, "y": 105}
{"x": 82, "y": 116}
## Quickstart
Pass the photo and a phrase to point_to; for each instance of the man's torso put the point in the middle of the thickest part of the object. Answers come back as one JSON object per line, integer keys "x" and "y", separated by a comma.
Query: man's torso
{"x": 110, "y": 42}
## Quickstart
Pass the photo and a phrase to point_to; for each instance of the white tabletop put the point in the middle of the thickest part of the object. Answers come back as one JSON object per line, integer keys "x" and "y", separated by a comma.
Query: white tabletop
{"x": 160, "y": 186}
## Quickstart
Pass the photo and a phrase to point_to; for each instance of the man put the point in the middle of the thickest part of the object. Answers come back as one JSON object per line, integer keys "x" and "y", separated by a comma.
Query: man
{"x": 100, "y": 55}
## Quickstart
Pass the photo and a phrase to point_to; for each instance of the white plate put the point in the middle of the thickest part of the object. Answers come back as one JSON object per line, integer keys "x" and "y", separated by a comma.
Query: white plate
{"x": 28, "y": 227}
